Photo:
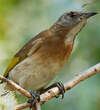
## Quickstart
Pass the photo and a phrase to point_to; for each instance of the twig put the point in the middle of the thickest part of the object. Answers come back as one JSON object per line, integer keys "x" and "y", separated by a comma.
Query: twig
{"x": 15, "y": 86}
{"x": 54, "y": 91}
{"x": 38, "y": 106}
{"x": 22, "y": 106}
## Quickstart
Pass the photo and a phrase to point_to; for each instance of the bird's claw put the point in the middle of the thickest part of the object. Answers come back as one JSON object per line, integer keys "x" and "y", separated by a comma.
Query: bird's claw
{"x": 35, "y": 97}
{"x": 57, "y": 84}
{"x": 61, "y": 88}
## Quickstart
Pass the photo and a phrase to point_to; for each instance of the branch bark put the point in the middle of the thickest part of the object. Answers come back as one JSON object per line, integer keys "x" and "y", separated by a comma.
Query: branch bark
{"x": 54, "y": 91}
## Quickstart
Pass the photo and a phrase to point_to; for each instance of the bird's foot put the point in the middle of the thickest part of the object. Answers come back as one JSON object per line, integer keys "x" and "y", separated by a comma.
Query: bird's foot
{"x": 57, "y": 84}
{"x": 35, "y": 97}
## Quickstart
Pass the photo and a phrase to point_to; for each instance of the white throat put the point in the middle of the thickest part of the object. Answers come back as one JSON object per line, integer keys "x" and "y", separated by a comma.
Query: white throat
{"x": 71, "y": 35}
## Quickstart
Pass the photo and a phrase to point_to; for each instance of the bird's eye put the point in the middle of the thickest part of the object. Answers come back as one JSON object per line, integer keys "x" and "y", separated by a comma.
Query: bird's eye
{"x": 72, "y": 14}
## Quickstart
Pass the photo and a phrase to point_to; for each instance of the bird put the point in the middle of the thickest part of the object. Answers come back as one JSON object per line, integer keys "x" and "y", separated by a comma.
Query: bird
{"x": 37, "y": 63}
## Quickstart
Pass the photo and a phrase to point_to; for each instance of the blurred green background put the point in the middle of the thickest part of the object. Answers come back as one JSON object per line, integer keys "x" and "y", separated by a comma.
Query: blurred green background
{"x": 20, "y": 20}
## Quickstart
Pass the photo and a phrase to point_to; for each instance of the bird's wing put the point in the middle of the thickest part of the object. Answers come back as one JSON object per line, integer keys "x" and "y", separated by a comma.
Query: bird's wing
{"x": 30, "y": 48}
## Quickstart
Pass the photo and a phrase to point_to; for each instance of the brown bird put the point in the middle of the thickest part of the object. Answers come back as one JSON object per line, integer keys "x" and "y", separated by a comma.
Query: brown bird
{"x": 39, "y": 61}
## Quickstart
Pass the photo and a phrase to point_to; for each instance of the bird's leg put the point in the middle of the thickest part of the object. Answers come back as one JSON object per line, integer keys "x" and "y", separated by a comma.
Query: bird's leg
{"x": 57, "y": 84}
{"x": 35, "y": 96}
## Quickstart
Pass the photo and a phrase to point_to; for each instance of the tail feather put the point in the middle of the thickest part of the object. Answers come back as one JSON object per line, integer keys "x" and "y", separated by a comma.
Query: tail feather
{"x": 1, "y": 82}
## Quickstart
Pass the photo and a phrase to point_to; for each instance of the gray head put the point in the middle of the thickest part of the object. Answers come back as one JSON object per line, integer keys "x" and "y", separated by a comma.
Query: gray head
{"x": 73, "y": 18}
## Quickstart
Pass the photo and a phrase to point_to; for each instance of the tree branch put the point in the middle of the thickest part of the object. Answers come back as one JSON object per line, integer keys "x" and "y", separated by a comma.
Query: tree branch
{"x": 54, "y": 91}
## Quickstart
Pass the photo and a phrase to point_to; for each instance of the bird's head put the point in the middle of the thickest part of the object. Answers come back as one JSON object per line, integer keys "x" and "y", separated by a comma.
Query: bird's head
{"x": 74, "y": 18}
{"x": 73, "y": 22}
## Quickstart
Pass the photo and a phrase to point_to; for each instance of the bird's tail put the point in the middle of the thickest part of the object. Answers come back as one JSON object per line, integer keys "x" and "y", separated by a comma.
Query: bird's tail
{"x": 1, "y": 82}
{"x": 4, "y": 77}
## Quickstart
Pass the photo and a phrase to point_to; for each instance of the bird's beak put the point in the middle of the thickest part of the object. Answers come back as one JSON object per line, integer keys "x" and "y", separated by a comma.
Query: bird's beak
{"x": 88, "y": 15}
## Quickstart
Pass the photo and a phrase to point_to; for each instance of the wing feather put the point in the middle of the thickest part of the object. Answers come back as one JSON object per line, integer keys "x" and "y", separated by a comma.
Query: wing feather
{"x": 28, "y": 49}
